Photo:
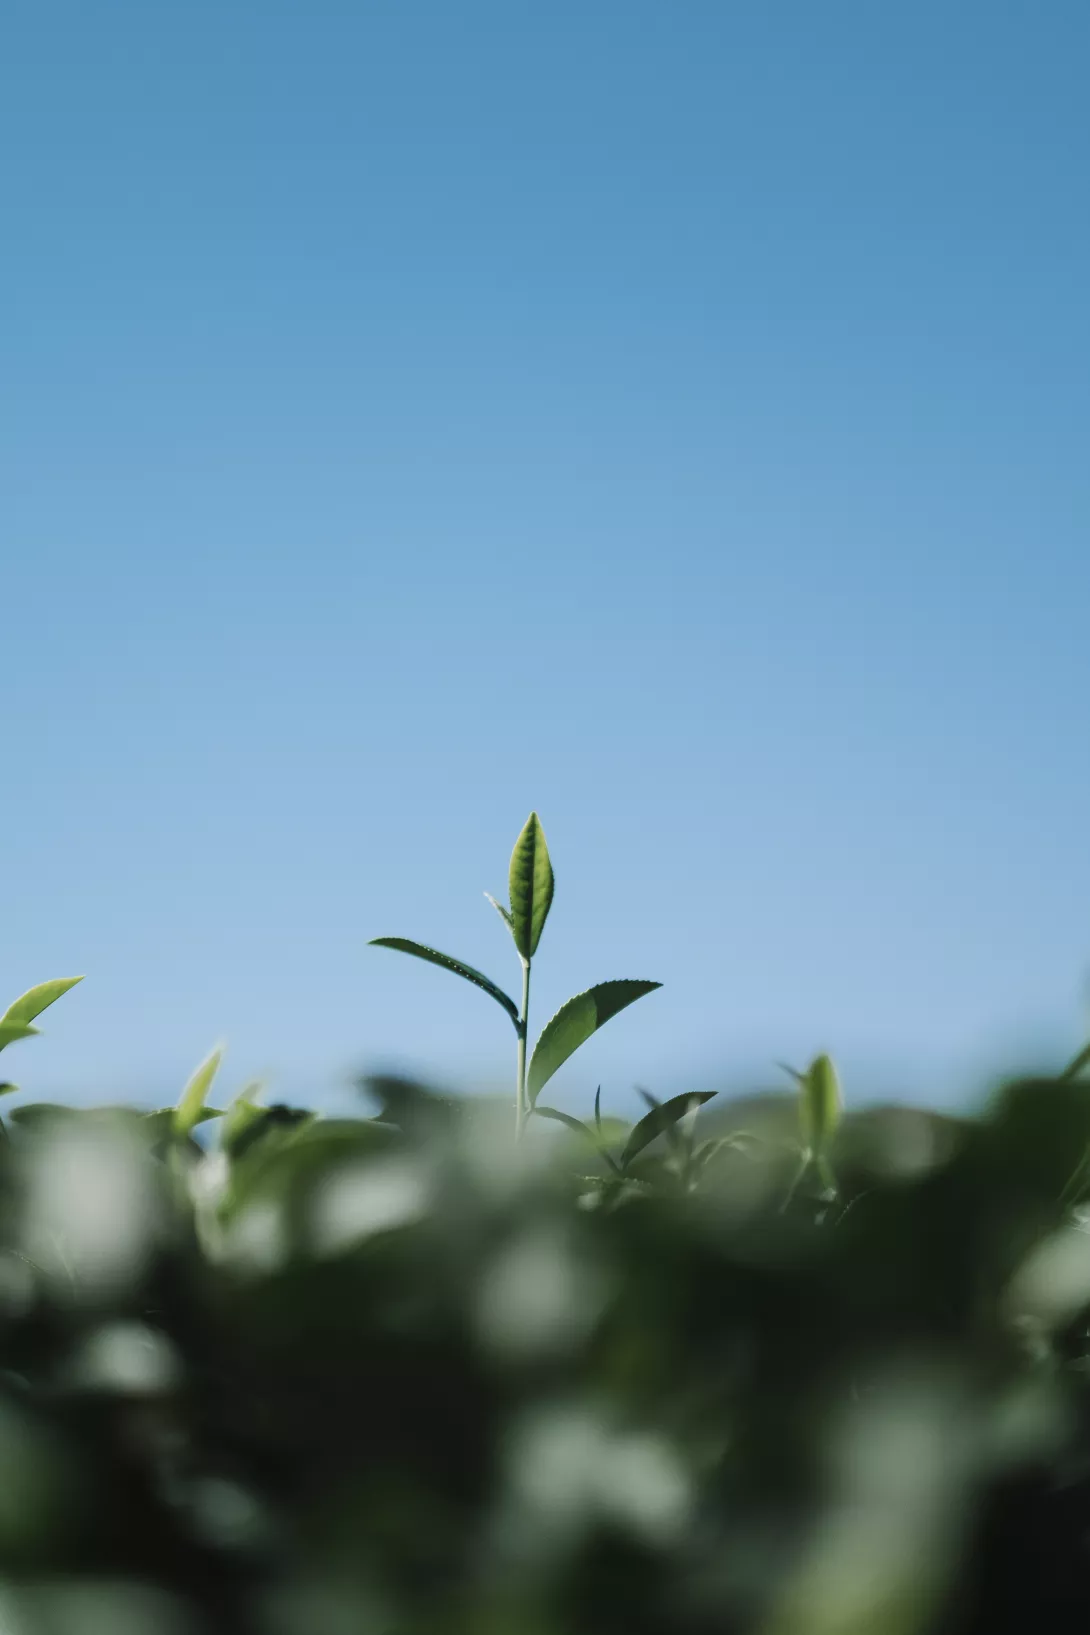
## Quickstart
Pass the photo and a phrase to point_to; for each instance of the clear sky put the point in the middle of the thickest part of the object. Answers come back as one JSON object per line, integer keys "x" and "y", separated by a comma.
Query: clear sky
{"x": 672, "y": 416}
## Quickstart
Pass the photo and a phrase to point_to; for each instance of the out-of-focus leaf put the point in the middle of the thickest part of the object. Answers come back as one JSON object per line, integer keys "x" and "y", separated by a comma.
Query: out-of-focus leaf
{"x": 660, "y": 1119}
{"x": 409, "y": 1106}
{"x": 192, "y": 1099}
{"x": 566, "y": 1118}
{"x": 819, "y": 1103}
{"x": 162, "y": 1120}
{"x": 403, "y": 945}
{"x": 576, "y": 1124}
{"x": 614, "y": 1131}
{"x": 36, "y": 1000}
{"x": 10, "y": 1031}
{"x": 574, "y": 1023}
{"x": 241, "y": 1113}
{"x": 598, "y": 1109}
{"x": 267, "y": 1129}
{"x": 1077, "y": 1064}
{"x": 8, "y": 1089}
{"x": 36, "y": 1114}
{"x": 531, "y": 885}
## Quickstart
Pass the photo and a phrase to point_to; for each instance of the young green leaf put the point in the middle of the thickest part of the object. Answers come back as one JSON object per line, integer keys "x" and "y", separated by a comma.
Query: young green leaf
{"x": 819, "y": 1103}
{"x": 574, "y": 1023}
{"x": 242, "y": 1112}
{"x": 10, "y": 1031}
{"x": 565, "y": 1118}
{"x": 531, "y": 884}
{"x": 598, "y": 1109}
{"x": 187, "y": 1114}
{"x": 504, "y": 913}
{"x": 403, "y": 946}
{"x": 593, "y": 1136}
{"x": 36, "y": 1000}
{"x": 673, "y": 1139}
{"x": 8, "y": 1089}
{"x": 662, "y": 1119}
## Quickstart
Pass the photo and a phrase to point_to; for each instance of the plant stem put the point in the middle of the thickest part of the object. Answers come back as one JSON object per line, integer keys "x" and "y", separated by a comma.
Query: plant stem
{"x": 521, "y": 1109}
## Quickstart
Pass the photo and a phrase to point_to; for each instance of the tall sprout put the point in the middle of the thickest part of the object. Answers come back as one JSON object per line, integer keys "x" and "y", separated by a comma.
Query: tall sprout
{"x": 531, "y": 884}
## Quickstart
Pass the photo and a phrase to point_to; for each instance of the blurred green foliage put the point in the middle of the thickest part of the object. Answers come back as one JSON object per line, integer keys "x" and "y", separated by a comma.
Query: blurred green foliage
{"x": 769, "y": 1366}
{"x": 765, "y": 1366}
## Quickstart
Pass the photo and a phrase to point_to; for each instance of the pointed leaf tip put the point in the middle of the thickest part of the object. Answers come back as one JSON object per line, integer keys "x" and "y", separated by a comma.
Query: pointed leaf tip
{"x": 819, "y": 1103}
{"x": 574, "y": 1023}
{"x": 531, "y": 884}
{"x": 36, "y": 1000}
{"x": 188, "y": 1113}
{"x": 661, "y": 1120}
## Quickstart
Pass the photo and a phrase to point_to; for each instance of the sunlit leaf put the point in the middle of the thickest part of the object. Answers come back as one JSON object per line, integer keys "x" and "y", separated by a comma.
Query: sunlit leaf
{"x": 433, "y": 957}
{"x": 36, "y": 1000}
{"x": 574, "y": 1023}
{"x": 531, "y": 884}
{"x": 10, "y": 1031}
{"x": 661, "y": 1119}
{"x": 819, "y": 1103}
{"x": 242, "y": 1112}
{"x": 192, "y": 1099}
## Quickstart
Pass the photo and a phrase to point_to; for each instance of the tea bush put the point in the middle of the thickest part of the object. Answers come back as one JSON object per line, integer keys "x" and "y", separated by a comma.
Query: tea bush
{"x": 768, "y": 1366}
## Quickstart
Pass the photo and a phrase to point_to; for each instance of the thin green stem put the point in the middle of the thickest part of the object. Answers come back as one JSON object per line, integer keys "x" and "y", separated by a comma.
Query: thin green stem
{"x": 521, "y": 1109}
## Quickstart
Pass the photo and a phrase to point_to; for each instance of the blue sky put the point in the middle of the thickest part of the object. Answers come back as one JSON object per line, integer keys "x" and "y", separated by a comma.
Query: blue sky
{"x": 672, "y": 417}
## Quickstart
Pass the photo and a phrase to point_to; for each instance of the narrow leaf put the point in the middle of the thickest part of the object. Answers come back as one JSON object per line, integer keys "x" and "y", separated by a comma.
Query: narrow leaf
{"x": 187, "y": 1114}
{"x": 565, "y": 1118}
{"x": 819, "y": 1103}
{"x": 792, "y": 1072}
{"x": 10, "y": 1031}
{"x": 531, "y": 884}
{"x": 8, "y": 1089}
{"x": 574, "y": 1023}
{"x": 594, "y": 1137}
{"x": 504, "y": 913}
{"x": 598, "y": 1109}
{"x": 661, "y": 1119}
{"x": 36, "y": 1000}
{"x": 434, "y": 957}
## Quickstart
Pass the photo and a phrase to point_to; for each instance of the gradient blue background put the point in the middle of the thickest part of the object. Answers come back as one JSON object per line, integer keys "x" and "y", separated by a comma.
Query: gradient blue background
{"x": 671, "y": 416}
